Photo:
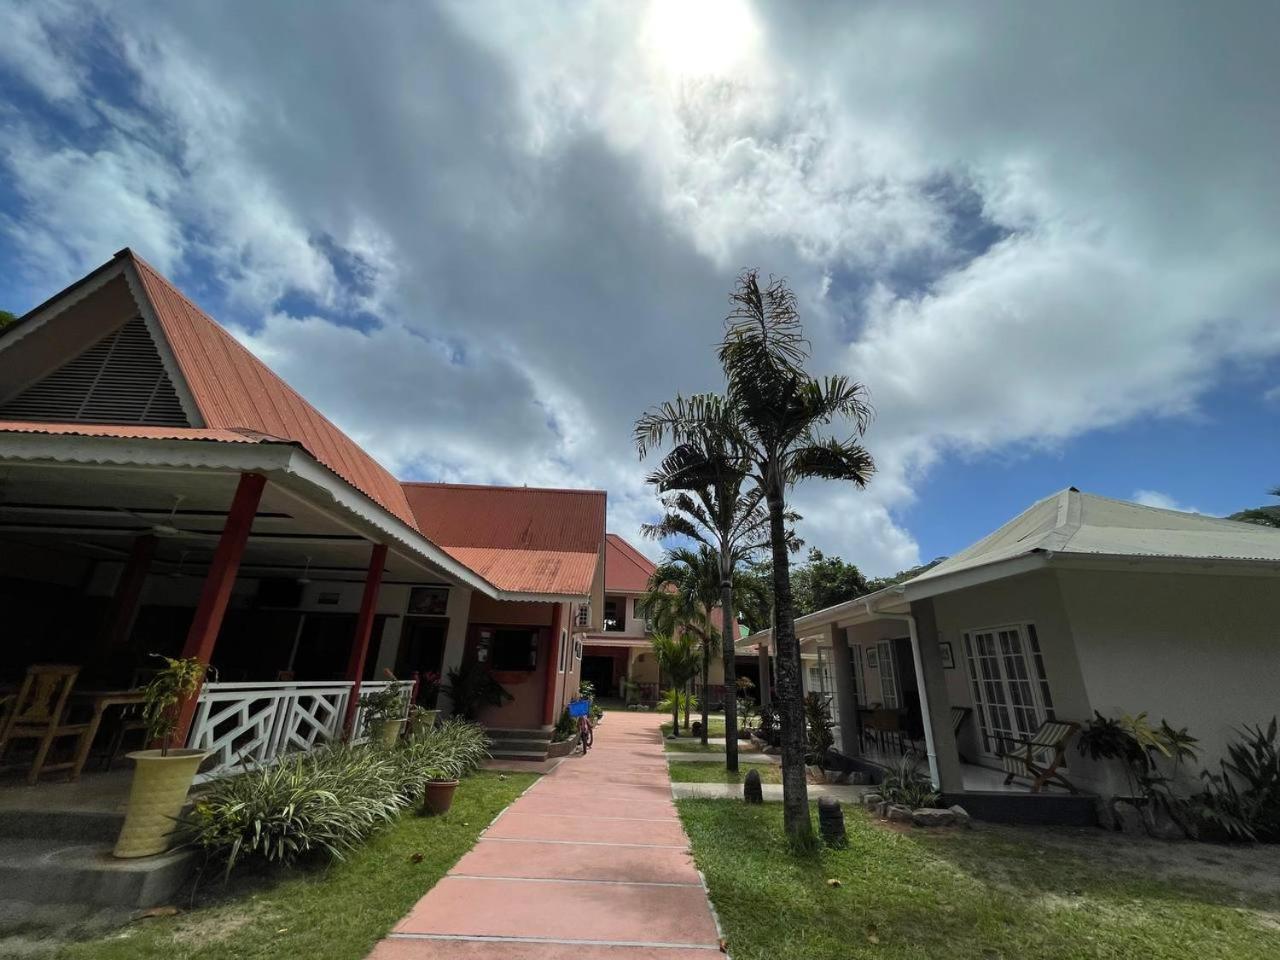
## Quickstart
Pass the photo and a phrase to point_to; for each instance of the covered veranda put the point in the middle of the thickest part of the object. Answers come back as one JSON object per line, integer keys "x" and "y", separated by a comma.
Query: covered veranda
{"x": 117, "y": 544}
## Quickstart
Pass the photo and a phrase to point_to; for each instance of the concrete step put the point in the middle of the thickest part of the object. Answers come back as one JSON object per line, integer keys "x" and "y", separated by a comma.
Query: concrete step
{"x": 76, "y": 826}
{"x": 513, "y": 733}
{"x": 51, "y": 871}
{"x": 514, "y": 744}
{"x": 518, "y": 754}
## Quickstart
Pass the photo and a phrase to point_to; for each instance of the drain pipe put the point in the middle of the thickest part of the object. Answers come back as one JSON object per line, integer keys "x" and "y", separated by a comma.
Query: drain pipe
{"x": 924, "y": 692}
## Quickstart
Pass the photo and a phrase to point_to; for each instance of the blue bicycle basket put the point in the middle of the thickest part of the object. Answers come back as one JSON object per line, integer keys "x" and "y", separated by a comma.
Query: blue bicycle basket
{"x": 579, "y": 708}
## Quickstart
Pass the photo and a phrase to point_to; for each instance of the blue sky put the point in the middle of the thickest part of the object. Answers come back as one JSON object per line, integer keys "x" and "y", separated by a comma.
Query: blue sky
{"x": 1045, "y": 240}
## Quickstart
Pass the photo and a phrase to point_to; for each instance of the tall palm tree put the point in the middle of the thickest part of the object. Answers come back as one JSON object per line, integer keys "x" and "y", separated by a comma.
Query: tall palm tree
{"x": 773, "y": 412}
{"x": 701, "y": 485}
{"x": 677, "y": 656}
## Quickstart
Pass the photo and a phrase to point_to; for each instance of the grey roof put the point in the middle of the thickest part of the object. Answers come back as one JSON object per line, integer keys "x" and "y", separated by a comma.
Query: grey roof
{"x": 1071, "y": 522}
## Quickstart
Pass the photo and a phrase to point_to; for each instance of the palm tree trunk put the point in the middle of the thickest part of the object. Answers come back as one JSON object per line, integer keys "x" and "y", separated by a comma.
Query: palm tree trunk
{"x": 706, "y": 675}
{"x": 729, "y": 636}
{"x": 790, "y": 698}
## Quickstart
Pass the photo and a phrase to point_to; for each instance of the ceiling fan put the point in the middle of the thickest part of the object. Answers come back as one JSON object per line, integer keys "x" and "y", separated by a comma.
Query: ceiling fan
{"x": 166, "y": 527}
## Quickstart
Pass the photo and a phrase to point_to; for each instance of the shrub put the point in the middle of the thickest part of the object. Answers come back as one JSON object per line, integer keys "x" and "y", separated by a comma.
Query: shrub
{"x": 327, "y": 801}
{"x": 472, "y": 687}
{"x": 818, "y": 724}
{"x": 1244, "y": 799}
{"x": 905, "y": 784}
{"x": 771, "y": 725}
{"x": 566, "y": 727}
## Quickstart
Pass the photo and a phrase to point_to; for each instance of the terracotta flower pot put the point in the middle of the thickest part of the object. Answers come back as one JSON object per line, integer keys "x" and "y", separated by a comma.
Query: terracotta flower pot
{"x": 387, "y": 732}
{"x": 158, "y": 794}
{"x": 437, "y": 796}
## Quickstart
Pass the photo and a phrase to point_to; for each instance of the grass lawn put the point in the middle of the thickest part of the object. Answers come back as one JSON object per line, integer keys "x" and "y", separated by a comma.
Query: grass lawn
{"x": 715, "y": 726}
{"x": 694, "y": 746}
{"x": 714, "y": 773}
{"x": 980, "y": 894}
{"x": 335, "y": 912}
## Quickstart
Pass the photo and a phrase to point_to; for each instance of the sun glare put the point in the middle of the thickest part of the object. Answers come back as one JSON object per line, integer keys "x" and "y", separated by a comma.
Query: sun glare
{"x": 699, "y": 37}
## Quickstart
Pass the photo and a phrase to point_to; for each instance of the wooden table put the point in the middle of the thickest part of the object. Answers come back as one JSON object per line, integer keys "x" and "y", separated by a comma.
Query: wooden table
{"x": 101, "y": 701}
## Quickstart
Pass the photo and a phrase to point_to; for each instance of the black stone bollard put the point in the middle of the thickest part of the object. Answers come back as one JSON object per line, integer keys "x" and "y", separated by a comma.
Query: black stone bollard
{"x": 831, "y": 822}
{"x": 696, "y": 729}
{"x": 751, "y": 790}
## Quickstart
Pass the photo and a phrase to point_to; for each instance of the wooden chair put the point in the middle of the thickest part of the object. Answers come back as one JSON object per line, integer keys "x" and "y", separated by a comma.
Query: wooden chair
{"x": 958, "y": 716}
{"x": 1050, "y": 739}
{"x": 39, "y": 713}
{"x": 130, "y": 719}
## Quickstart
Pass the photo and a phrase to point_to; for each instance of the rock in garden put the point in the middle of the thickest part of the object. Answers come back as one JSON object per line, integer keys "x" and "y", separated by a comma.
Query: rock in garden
{"x": 932, "y": 817}
{"x": 752, "y": 792}
{"x": 962, "y": 816}
{"x": 1129, "y": 819}
{"x": 696, "y": 729}
{"x": 897, "y": 813}
{"x": 831, "y": 822}
{"x": 872, "y": 799}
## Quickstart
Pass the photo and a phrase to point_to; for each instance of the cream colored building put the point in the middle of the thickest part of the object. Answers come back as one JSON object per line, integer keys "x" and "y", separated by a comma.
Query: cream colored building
{"x": 1079, "y": 604}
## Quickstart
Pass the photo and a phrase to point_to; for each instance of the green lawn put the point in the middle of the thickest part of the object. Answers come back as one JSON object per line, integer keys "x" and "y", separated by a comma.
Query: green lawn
{"x": 692, "y": 772}
{"x": 959, "y": 895}
{"x": 695, "y": 746}
{"x": 332, "y": 913}
{"x": 715, "y": 726}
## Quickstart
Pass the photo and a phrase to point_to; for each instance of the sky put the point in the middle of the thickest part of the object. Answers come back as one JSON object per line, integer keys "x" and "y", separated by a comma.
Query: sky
{"x": 484, "y": 237}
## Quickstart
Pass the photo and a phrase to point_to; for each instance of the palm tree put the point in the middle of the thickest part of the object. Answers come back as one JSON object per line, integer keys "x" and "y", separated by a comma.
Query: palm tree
{"x": 701, "y": 484}
{"x": 682, "y": 592}
{"x": 677, "y": 655}
{"x": 772, "y": 413}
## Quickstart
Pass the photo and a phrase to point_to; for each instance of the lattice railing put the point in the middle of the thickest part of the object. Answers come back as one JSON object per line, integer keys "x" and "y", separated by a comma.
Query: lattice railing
{"x": 247, "y": 724}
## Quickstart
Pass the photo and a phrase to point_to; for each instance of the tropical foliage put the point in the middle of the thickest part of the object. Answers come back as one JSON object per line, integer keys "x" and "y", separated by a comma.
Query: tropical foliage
{"x": 472, "y": 687}
{"x": 1243, "y": 799}
{"x": 1263, "y": 516}
{"x": 677, "y": 657}
{"x": 166, "y": 694}
{"x": 818, "y": 724}
{"x": 325, "y": 802}
{"x": 906, "y": 785}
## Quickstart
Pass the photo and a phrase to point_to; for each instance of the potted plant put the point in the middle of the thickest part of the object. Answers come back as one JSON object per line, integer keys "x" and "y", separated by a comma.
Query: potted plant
{"x": 384, "y": 712}
{"x": 161, "y": 778}
{"x": 437, "y": 792}
{"x": 422, "y": 715}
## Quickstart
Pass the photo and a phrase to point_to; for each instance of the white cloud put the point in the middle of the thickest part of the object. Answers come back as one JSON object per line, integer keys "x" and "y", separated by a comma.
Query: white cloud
{"x": 1154, "y": 498}
{"x": 548, "y": 205}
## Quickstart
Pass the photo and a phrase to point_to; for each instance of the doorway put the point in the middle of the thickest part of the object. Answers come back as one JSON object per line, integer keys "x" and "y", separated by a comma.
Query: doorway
{"x": 421, "y": 651}
{"x": 599, "y": 672}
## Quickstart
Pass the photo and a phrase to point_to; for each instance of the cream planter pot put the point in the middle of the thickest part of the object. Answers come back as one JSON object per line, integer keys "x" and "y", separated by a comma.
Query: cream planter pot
{"x": 158, "y": 794}
{"x": 387, "y": 732}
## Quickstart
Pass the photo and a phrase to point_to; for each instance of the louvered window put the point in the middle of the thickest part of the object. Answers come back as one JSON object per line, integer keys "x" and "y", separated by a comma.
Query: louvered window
{"x": 120, "y": 379}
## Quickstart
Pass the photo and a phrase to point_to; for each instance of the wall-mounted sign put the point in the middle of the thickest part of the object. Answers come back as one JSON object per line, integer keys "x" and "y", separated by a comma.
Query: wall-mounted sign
{"x": 428, "y": 601}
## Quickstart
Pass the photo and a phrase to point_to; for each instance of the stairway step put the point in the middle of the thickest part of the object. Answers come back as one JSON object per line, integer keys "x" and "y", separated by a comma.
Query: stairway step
{"x": 518, "y": 754}
{"x": 71, "y": 826}
{"x": 44, "y": 871}
{"x": 513, "y": 744}
{"x": 514, "y": 733}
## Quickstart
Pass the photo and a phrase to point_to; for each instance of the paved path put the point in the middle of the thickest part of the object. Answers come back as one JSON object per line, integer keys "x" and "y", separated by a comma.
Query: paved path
{"x": 591, "y": 863}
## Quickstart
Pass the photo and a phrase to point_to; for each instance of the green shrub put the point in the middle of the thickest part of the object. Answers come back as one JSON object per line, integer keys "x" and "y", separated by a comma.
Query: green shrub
{"x": 1243, "y": 800}
{"x": 818, "y": 724}
{"x": 904, "y": 784}
{"x": 327, "y": 801}
{"x": 566, "y": 727}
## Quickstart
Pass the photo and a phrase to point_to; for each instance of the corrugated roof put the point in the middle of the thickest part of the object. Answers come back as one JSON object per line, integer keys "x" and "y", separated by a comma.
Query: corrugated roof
{"x": 234, "y": 390}
{"x": 126, "y": 432}
{"x": 522, "y": 539}
{"x": 1071, "y": 522}
{"x": 626, "y": 569}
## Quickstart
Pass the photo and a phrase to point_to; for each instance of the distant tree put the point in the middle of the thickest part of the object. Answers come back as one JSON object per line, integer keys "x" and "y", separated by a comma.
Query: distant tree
{"x": 825, "y": 581}
{"x": 1263, "y": 516}
{"x": 677, "y": 656}
{"x": 6, "y": 318}
{"x": 879, "y": 583}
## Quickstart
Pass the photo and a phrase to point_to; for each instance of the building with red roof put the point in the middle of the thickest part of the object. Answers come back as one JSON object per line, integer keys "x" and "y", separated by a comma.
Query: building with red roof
{"x": 164, "y": 491}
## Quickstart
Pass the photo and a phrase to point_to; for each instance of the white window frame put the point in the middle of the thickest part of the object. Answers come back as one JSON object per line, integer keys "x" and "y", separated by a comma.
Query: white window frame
{"x": 859, "y": 673}
{"x": 889, "y": 696}
{"x": 1027, "y": 698}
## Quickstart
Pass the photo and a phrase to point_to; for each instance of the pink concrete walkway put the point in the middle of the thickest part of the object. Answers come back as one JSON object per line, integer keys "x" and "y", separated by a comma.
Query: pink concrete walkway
{"x": 590, "y": 864}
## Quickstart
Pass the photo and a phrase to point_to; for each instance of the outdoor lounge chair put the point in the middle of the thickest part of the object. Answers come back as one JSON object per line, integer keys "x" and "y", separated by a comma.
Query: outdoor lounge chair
{"x": 1019, "y": 757}
{"x": 39, "y": 713}
{"x": 958, "y": 716}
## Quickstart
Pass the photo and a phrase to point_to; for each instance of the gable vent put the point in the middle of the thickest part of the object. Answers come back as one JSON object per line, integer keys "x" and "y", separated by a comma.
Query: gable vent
{"x": 120, "y": 379}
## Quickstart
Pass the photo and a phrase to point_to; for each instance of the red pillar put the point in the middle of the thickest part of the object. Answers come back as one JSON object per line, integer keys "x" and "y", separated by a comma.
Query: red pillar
{"x": 364, "y": 627}
{"x": 219, "y": 581}
{"x": 124, "y": 605}
{"x": 553, "y": 667}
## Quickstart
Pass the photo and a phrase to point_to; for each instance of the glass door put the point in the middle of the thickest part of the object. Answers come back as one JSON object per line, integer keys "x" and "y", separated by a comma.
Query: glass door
{"x": 1009, "y": 700}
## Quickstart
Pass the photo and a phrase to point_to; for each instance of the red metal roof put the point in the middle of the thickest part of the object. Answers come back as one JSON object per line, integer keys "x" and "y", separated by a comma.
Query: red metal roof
{"x": 523, "y": 539}
{"x": 626, "y": 569}
{"x": 125, "y": 432}
{"x": 234, "y": 390}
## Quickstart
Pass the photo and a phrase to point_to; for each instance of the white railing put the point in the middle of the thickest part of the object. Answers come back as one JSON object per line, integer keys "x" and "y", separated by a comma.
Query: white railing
{"x": 243, "y": 725}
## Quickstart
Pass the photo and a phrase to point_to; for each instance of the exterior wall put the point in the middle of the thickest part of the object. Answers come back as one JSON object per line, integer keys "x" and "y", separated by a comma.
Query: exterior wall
{"x": 1200, "y": 651}
{"x": 1031, "y": 598}
{"x": 866, "y": 636}
{"x": 527, "y": 688}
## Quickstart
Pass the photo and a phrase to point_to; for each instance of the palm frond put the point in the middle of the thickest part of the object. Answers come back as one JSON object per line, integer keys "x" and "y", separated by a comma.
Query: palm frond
{"x": 831, "y": 459}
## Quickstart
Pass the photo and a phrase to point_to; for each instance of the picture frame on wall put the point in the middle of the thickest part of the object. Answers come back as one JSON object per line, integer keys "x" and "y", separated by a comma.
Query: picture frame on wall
{"x": 873, "y": 659}
{"x": 428, "y": 601}
{"x": 948, "y": 655}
